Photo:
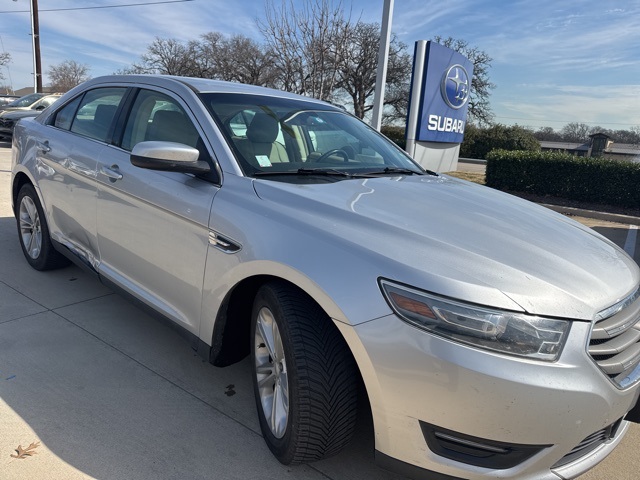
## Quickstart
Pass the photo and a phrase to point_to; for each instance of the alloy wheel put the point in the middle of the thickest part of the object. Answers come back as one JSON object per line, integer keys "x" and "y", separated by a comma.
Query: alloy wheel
{"x": 271, "y": 373}
{"x": 30, "y": 228}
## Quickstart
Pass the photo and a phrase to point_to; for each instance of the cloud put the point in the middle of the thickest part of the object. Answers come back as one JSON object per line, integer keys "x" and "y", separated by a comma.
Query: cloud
{"x": 110, "y": 39}
{"x": 609, "y": 106}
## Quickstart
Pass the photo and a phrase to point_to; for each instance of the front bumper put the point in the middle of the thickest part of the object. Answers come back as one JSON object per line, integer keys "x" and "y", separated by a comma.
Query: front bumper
{"x": 414, "y": 378}
{"x": 6, "y": 127}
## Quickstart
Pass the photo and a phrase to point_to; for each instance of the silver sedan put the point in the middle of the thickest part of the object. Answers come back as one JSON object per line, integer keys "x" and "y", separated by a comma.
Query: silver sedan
{"x": 489, "y": 337}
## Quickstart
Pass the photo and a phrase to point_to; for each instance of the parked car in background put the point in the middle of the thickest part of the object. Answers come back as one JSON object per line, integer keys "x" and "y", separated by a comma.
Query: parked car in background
{"x": 490, "y": 337}
{"x": 4, "y": 99}
{"x": 22, "y": 102}
{"x": 9, "y": 118}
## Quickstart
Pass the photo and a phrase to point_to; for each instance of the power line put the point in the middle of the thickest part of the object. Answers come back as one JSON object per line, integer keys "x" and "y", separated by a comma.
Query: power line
{"x": 99, "y": 6}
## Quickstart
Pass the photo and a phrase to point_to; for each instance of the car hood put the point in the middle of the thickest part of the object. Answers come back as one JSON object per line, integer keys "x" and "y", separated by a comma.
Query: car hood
{"x": 18, "y": 114}
{"x": 463, "y": 240}
{"x": 13, "y": 109}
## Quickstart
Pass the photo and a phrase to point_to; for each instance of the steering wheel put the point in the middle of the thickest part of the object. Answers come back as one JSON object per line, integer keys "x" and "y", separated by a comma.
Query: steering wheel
{"x": 334, "y": 151}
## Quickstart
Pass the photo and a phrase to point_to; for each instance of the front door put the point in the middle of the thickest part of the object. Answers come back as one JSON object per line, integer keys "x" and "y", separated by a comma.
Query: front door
{"x": 152, "y": 225}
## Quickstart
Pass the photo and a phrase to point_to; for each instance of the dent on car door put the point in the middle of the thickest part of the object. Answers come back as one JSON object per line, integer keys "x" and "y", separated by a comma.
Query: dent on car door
{"x": 66, "y": 163}
{"x": 152, "y": 225}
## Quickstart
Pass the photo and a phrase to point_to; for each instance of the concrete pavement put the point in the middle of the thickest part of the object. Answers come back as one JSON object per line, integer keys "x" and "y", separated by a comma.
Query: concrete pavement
{"x": 101, "y": 390}
{"x": 98, "y": 389}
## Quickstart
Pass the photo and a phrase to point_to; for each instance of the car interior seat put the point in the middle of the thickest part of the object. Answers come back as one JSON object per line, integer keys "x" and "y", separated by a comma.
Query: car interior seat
{"x": 172, "y": 126}
{"x": 260, "y": 147}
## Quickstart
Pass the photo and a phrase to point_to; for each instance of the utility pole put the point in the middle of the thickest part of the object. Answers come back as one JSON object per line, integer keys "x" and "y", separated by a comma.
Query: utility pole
{"x": 35, "y": 38}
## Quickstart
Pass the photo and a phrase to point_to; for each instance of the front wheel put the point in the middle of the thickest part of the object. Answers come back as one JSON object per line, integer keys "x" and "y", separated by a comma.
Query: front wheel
{"x": 34, "y": 232}
{"x": 304, "y": 376}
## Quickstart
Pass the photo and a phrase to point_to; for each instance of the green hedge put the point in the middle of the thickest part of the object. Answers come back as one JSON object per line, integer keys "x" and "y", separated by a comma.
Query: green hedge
{"x": 596, "y": 180}
{"x": 395, "y": 134}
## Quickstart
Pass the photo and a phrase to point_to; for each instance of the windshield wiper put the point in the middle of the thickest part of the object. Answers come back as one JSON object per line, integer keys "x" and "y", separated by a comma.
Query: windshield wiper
{"x": 334, "y": 172}
{"x": 311, "y": 171}
{"x": 403, "y": 171}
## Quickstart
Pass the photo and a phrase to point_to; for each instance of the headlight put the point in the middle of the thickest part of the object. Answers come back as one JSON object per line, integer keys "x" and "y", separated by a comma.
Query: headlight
{"x": 497, "y": 330}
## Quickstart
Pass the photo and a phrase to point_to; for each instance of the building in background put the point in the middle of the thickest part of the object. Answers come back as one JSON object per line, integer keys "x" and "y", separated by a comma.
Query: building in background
{"x": 599, "y": 145}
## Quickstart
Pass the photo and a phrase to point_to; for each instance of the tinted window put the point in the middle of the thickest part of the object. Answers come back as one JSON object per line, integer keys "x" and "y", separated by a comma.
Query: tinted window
{"x": 96, "y": 112}
{"x": 158, "y": 117}
{"x": 64, "y": 117}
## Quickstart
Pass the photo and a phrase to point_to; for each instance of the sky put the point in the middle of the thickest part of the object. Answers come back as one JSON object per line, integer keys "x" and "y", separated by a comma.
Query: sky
{"x": 553, "y": 62}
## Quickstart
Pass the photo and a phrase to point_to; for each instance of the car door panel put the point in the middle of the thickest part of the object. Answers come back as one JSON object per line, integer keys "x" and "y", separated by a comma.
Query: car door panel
{"x": 67, "y": 159}
{"x": 153, "y": 235}
{"x": 67, "y": 166}
{"x": 153, "y": 225}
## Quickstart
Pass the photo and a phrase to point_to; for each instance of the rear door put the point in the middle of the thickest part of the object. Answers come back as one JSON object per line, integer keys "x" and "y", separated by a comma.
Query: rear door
{"x": 152, "y": 225}
{"x": 67, "y": 157}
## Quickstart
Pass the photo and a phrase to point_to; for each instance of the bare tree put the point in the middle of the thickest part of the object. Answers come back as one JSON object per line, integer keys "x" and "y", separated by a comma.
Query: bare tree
{"x": 479, "y": 108}
{"x": 624, "y": 136}
{"x": 235, "y": 59}
{"x": 576, "y": 132}
{"x": 357, "y": 72}
{"x": 135, "y": 69}
{"x": 307, "y": 45}
{"x": 397, "y": 96}
{"x": 68, "y": 74}
{"x": 168, "y": 56}
{"x": 547, "y": 134}
{"x": 5, "y": 58}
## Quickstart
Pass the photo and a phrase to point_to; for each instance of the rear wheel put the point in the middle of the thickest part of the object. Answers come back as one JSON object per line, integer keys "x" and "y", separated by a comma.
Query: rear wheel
{"x": 305, "y": 379}
{"x": 34, "y": 232}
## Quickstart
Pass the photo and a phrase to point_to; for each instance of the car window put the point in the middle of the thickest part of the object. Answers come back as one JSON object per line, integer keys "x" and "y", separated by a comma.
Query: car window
{"x": 271, "y": 135}
{"x": 44, "y": 102}
{"x": 64, "y": 117}
{"x": 158, "y": 117}
{"x": 26, "y": 100}
{"x": 96, "y": 112}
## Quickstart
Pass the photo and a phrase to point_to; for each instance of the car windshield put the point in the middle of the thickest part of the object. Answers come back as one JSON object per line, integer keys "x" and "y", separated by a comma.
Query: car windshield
{"x": 25, "y": 101}
{"x": 280, "y": 138}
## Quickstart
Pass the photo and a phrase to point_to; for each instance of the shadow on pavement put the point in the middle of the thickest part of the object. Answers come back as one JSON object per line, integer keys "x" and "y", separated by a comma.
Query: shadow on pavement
{"x": 112, "y": 393}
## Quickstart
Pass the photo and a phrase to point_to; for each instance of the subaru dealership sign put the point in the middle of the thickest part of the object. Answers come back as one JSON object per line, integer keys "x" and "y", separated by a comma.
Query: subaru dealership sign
{"x": 444, "y": 99}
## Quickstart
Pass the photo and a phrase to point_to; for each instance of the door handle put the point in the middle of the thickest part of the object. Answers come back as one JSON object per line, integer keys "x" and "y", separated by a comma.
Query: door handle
{"x": 44, "y": 146}
{"x": 112, "y": 172}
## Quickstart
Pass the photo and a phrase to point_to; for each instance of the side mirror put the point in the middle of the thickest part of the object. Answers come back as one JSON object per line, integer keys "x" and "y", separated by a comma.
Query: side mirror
{"x": 168, "y": 156}
{"x": 40, "y": 107}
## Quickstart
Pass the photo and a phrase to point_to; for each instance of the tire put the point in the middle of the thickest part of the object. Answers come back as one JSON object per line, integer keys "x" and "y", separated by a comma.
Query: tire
{"x": 33, "y": 232}
{"x": 302, "y": 365}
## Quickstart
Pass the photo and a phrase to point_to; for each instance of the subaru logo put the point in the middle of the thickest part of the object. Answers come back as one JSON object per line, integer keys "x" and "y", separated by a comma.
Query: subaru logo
{"x": 455, "y": 86}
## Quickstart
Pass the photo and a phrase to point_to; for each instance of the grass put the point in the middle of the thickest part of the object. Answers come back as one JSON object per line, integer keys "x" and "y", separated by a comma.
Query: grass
{"x": 474, "y": 177}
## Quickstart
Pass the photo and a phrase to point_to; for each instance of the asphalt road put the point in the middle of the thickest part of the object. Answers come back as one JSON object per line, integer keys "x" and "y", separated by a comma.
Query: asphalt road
{"x": 91, "y": 387}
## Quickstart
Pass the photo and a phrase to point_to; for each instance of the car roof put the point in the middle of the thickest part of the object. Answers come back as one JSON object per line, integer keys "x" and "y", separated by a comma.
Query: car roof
{"x": 200, "y": 85}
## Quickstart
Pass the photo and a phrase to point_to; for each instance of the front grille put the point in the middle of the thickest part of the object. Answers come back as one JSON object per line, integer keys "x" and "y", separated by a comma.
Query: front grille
{"x": 615, "y": 341}
{"x": 589, "y": 444}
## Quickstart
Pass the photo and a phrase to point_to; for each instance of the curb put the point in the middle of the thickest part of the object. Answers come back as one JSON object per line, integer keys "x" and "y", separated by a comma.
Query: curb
{"x": 475, "y": 161}
{"x": 580, "y": 212}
